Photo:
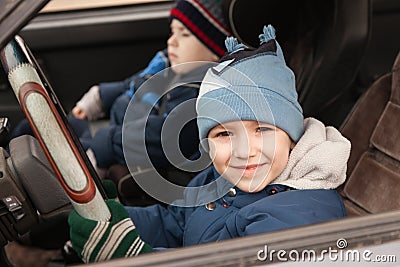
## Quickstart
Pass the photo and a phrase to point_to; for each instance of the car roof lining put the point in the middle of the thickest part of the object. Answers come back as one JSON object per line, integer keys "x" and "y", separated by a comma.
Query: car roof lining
{"x": 15, "y": 14}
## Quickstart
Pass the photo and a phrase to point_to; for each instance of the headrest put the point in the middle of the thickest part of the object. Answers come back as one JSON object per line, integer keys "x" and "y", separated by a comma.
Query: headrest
{"x": 289, "y": 17}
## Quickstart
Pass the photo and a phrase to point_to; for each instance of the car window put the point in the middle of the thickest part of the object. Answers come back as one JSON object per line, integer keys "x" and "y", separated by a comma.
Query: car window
{"x": 67, "y": 5}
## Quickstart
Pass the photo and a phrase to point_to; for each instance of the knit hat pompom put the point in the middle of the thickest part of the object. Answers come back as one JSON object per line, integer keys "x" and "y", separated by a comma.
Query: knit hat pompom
{"x": 205, "y": 20}
{"x": 250, "y": 85}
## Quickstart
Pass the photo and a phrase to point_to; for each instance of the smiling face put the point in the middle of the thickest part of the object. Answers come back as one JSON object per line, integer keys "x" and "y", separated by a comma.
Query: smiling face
{"x": 249, "y": 154}
{"x": 184, "y": 47}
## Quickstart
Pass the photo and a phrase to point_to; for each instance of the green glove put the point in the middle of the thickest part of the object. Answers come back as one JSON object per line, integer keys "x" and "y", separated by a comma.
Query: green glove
{"x": 98, "y": 241}
{"x": 110, "y": 188}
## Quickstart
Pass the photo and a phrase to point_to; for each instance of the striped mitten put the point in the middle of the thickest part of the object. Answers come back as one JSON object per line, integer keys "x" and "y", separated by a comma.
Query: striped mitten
{"x": 99, "y": 241}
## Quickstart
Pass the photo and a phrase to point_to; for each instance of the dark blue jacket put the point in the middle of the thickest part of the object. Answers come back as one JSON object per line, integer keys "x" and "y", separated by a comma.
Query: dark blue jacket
{"x": 107, "y": 143}
{"x": 274, "y": 208}
{"x": 148, "y": 113}
{"x": 110, "y": 91}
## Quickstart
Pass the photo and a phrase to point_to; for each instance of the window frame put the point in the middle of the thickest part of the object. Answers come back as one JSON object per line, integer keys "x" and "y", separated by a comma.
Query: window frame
{"x": 71, "y": 5}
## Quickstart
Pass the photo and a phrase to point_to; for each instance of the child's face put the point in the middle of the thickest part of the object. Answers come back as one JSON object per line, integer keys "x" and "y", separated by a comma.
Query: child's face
{"x": 249, "y": 154}
{"x": 184, "y": 47}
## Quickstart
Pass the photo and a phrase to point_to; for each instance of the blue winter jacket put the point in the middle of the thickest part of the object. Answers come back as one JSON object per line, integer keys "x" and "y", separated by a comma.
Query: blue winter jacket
{"x": 107, "y": 143}
{"x": 274, "y": 208}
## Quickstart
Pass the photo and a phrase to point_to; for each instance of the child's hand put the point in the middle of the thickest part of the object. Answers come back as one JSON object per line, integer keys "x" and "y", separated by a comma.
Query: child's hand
{"x": 111, "y": 189}
{"x": 90, "y": 105}
{"x": 79, "y": 113}
{"x": 98, "y": 241}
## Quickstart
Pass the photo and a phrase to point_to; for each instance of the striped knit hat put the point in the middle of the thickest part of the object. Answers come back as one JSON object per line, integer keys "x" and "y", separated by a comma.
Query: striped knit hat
{"x": 250, "y": 85}
{"x": 204, "y": 19}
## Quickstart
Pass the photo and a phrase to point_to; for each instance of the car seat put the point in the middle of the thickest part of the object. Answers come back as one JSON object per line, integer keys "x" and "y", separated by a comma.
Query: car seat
{"x": 131, "y": 194}
{"x": 373, "y": 182}
{"x": 323, "y": 41}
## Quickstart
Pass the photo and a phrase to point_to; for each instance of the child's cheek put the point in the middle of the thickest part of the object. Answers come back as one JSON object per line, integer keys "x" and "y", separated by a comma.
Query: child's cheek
{"x": 268, "y": 146}
{"x": 212, "y": 150}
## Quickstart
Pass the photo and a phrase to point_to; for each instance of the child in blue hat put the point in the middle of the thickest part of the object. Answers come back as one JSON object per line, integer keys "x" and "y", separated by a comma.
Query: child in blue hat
{"x": 271, "y": 168}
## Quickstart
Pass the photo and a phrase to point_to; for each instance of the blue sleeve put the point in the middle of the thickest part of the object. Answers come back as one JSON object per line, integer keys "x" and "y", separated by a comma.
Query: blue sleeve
{"x": 112, "y": 90}
{"x": 107, "y": 146}
{"x": 159, "y": 226}
{"x": 142, "y": 143}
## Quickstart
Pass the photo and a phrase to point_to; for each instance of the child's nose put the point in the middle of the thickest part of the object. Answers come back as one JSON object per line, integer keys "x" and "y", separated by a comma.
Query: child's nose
{"x": 172, "y": 40}
{"x": 245, "y": 147}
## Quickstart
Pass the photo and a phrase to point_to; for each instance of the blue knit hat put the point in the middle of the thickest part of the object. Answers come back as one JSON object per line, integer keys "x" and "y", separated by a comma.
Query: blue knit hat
{"x": 250, "y": 85}
{"x": 204, "y": 18}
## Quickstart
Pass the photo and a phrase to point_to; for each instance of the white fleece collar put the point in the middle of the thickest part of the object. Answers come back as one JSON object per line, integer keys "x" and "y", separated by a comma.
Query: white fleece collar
{"x": 319, "y": 159}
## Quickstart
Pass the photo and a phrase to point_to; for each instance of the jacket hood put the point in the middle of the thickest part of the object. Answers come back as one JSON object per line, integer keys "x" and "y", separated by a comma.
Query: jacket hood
{"x": 319, "y": 159}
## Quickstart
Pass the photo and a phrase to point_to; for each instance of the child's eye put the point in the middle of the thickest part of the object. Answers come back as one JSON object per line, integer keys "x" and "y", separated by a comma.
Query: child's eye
{"x": 186, "y": 34}
{"x": 223, "y": 134}
{"x": 265, "y": 129}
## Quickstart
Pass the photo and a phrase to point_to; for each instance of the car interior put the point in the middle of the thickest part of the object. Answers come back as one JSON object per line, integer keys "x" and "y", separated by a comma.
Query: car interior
{"x": 373, "y": 178}
{"x": 331, "y": 45}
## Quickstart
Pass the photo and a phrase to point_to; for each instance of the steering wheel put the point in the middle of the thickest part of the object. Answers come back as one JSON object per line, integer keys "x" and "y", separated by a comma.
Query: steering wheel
{"x": 42, "y": 179}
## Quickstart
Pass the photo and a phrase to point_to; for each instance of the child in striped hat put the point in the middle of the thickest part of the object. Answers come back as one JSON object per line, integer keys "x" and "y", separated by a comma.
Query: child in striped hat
{"x": 198, "y": 32}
